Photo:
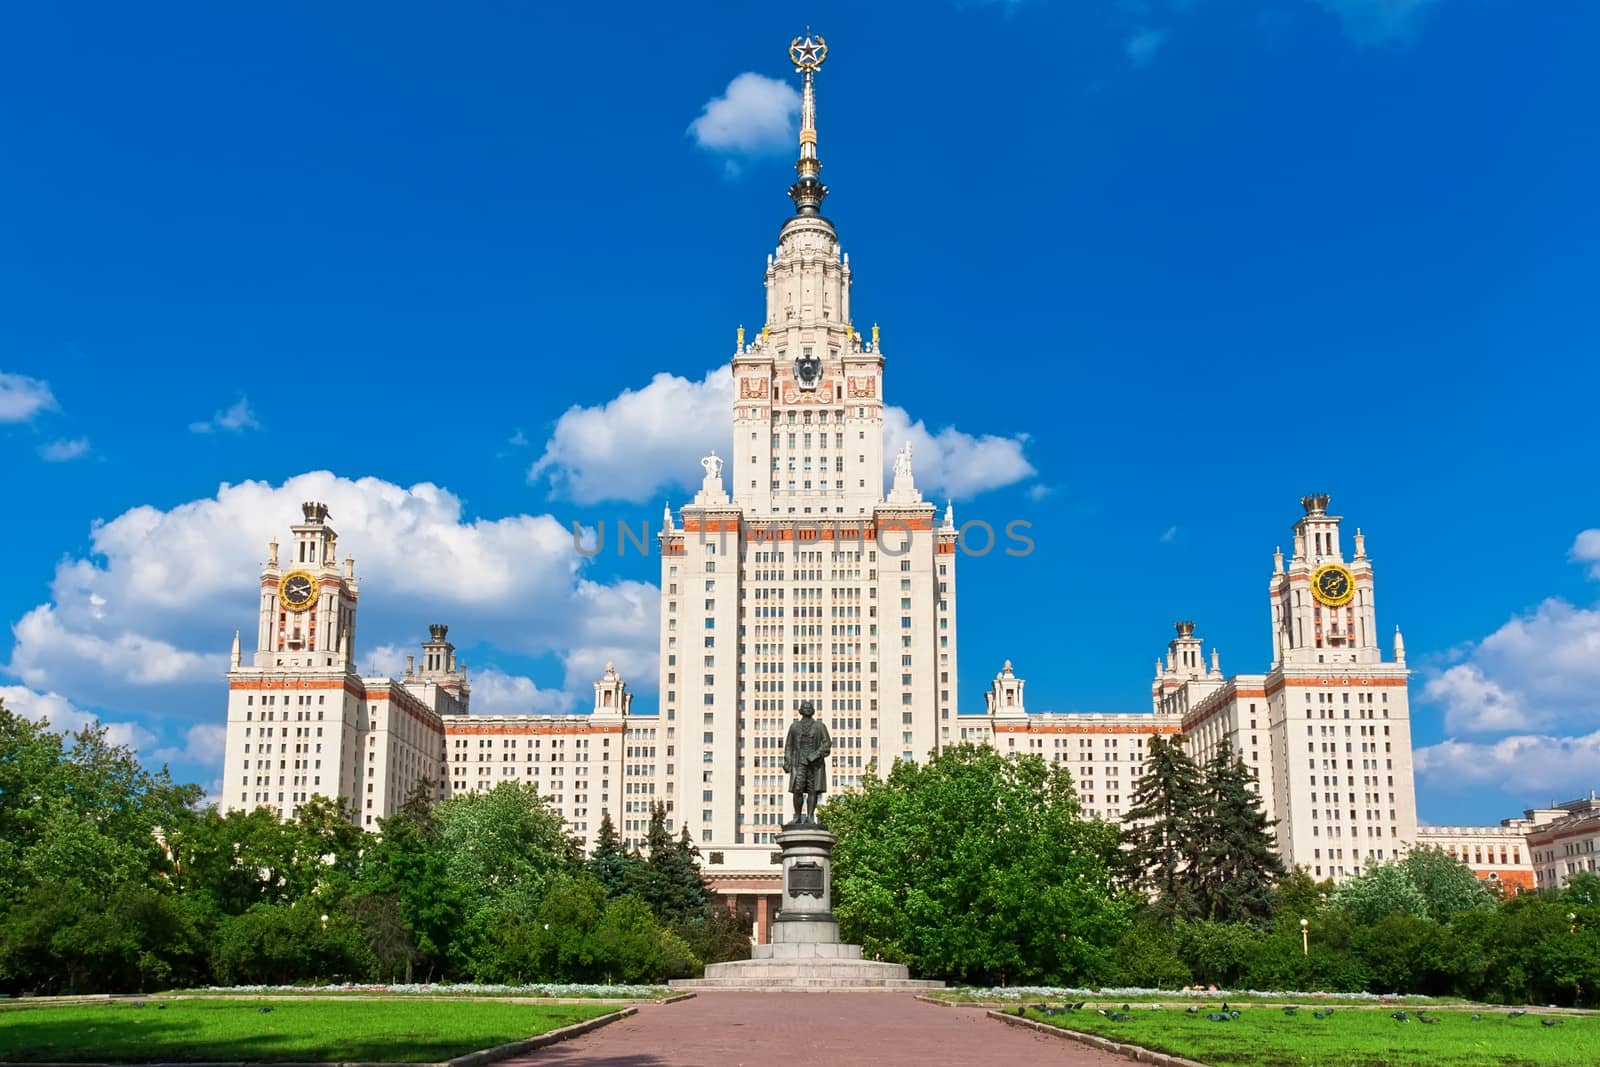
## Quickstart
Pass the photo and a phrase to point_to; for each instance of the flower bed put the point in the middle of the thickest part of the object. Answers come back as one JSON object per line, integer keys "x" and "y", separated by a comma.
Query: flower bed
{"x": 459, "y": 989}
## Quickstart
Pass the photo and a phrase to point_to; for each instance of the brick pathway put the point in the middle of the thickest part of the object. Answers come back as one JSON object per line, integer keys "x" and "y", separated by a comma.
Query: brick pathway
{"x": 718, "y": 1029}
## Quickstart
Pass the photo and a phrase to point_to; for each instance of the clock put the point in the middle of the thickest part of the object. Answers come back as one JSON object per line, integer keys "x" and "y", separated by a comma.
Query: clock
{"x": 297, "y": 590}
{"x": 807, "y": 370}
{"x": 1333, "y": 585}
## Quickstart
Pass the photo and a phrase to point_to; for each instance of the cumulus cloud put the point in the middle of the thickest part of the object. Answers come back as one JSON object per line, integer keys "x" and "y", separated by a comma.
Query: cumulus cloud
{"x": 951, "y": 462}
{"x": 1143, "y": 45}
{"x": 235, "y": 419}
{"x": 1519, "y": 706}
{"x": 495, "y": 692}
{"x": 640, "y": 441}
{"x": 21, "y": 397}
{"x": 1538, "y": 671}
{"x": 754, "y": 116}
{"x": 644, "y": 441}
{"x": 1557, "y": 767}
{"x": 65, "y": 717}
{"x": 148, "y": 614}
{"x": 1586, "y": 549}
{"x": 1371, "y": 23}
{"x": 64, "y": 450}
{"x": 202, "y": 746}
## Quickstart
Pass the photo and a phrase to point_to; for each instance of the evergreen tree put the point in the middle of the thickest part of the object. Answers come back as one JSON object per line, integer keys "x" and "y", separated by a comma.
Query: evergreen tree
{"x": 1238, "y": 868}
{"x": 669, "y": 878}
{"x": 1161, "y": 831}
{"x": 612, "y": 865}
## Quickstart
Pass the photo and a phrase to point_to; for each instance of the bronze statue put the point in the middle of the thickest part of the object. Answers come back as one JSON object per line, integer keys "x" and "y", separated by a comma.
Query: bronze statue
{"x": 805, "y": 757}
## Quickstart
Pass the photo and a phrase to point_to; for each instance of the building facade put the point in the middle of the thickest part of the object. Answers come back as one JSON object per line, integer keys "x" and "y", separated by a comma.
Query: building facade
{"x": 302, "y": 721}
{"x": 1327, "y": 729}
{"x": 806, "y": 582}
{"x": 796, "y": 575}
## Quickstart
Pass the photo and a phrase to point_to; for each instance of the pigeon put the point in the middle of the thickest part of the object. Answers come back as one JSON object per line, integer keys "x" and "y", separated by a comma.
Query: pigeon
{"x": 1194, "y": 1010}
{"x": 1078, "y": 1006}
{"x": 137, "y": 1003}
{"x": 1421, "y": 1018}
{"x": 1233, "y": 1015}
{"x": 1290, "y": 1009}
{"x": 1476, "y": 1017}
{"x": 1400, "y": 1016}
{"x": 1126, "y": 1008}
{"x": 1322, "y": 1014}
{"x": 161, "y": 1007}
{"x": 1550, "y": 1022}
{"x": 1217, "y": 1017}
{"x": 1119, "y": 1016}
{"x": 264, "y": 1009}
{"x": 1517, "y": 1013}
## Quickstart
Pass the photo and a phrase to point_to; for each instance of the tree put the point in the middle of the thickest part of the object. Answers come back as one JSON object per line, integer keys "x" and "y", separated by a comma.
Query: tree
{"x": 1382, "y": 890}
{"x": 407, "y": 865}
{"x": 616, "y": 867}
{"x": 669, "y": 880}
{"x": 1159, "y": 835}
{"x": 1238, "y": 868}
{"x": 1447, "y": 884}
{"x": 977, "y": 867}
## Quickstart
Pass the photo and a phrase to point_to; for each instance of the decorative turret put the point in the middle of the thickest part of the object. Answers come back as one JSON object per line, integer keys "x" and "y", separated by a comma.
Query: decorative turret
{"x": 808, "y": 192}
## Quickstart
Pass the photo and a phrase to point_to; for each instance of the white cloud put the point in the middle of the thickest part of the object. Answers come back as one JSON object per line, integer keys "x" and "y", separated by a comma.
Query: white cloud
{"x": 1143, "y": 45}
{"x": 147, "y": 617}
{"x": 954, "y": 463}
{"x": 202, "y": 746}
{"x": 64, "y": 450}
{"x": 1039, "y": 491}
{"x": 1586, "y": 549}
{"x": 1520, "y": 706}
{"x": 65, "y": 717}
{"x": 644, "y": 441}
{"x": 1539, "y": 671}
{"x": 1169, "y": 535}
{"x": 754, "y": 116}
{"x": 1372, "y": 23}
{"x": 1533, "y": 766}
{"x": 235, "y": 419}
{"x": 495, "y": 692}
{"x": 21, "y": 397}
{"x": 640, "y": 441}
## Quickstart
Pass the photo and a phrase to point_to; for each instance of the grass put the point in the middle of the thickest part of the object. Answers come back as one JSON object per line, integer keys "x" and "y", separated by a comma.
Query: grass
{"x": 1002, "y": 997}
{"x": 334, "y": 1029}
{"x": 1351, "y": 1037}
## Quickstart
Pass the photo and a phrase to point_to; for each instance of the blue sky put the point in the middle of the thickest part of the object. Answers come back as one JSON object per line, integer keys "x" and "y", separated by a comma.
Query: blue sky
{"x": 1146, "y": 271}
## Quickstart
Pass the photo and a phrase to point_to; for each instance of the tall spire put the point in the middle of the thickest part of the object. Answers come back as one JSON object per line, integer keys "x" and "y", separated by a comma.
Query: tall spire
{"x": 807, "y": 192}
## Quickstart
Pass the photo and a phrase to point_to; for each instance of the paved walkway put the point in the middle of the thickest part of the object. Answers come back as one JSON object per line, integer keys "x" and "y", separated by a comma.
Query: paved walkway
{"x": 718, "y": 1029}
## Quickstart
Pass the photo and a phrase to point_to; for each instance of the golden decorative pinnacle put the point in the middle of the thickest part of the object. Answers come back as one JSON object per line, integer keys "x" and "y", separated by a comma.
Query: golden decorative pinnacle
{"x": 808, "y": 52}
{"x": 874, "y": 333}
{"x": 741, "y": 336}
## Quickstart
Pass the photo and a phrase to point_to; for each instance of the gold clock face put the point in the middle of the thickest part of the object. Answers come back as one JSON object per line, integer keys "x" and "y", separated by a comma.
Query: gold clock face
{"x": 1333, "y": 585}
{"x": 298, "y": 590}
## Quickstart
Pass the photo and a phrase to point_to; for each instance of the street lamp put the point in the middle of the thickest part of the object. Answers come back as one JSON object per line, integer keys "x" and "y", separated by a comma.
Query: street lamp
{"x": 1305, "y": 937}
{"x": 1572, "y": 922}
{"x": 324, "y": 923}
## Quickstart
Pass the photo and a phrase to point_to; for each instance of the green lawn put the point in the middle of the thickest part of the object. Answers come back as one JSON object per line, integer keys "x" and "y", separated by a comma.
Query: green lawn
{"x": 334, "y": 1029}
{"x": 1352, "y": 1037}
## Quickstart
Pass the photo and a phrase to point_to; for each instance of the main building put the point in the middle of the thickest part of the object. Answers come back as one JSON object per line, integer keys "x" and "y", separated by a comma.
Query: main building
{"x": 806, "y": 580}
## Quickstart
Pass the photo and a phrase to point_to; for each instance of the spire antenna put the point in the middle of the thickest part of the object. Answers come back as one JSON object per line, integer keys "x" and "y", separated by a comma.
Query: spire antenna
{"x": 807, "y": 54}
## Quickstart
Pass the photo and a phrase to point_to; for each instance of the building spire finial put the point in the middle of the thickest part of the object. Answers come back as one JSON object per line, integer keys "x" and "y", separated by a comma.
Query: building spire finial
{"x": 807, "y": 54}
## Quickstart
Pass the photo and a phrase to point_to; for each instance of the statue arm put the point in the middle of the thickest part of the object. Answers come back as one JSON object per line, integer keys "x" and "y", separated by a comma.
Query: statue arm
{"x": 824, "y": 746}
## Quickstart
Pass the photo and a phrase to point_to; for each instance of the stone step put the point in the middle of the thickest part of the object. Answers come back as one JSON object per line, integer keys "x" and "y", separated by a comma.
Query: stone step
{"x": 770, "y": 969}
{"x": 810, "y": 984}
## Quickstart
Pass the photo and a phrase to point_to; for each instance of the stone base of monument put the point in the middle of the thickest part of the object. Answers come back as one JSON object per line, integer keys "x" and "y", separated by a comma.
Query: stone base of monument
{"x": 805, "y": 953}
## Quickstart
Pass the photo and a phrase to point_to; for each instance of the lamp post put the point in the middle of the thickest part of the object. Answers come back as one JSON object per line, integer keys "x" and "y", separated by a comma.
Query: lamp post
{"x": 1305, "y": 937}
{"x": 324, "y": 923}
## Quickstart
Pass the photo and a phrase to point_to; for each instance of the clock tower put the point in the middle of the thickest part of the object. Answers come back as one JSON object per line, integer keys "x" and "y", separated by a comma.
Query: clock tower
{"x": 1322, "y": 604}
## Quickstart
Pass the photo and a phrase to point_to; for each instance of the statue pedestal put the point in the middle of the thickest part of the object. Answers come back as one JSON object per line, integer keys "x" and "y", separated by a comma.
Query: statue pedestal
{"x": 805, "y": 953}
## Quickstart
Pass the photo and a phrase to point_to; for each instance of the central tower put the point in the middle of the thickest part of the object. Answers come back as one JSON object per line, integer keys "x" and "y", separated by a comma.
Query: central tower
{"x": 802, "y": 580}
{"x": 808, "y": 396}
